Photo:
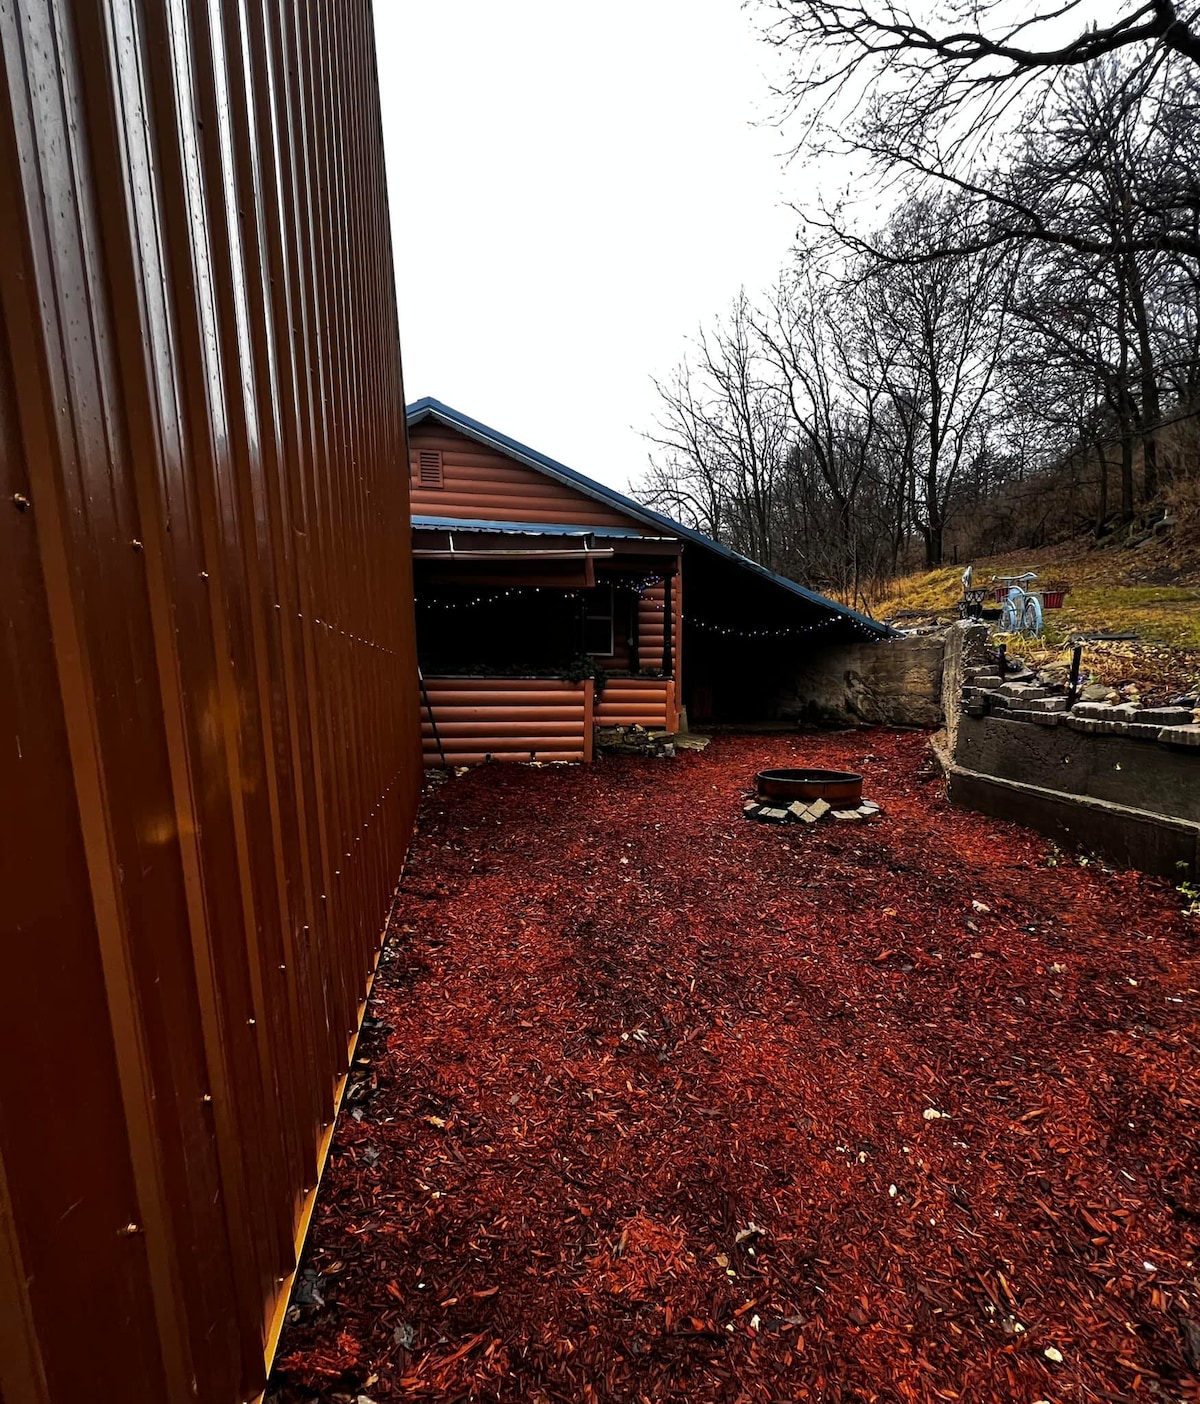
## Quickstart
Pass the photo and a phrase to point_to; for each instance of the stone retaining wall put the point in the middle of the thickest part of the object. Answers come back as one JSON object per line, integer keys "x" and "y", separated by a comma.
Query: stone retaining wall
{"x": 1122, "y": 781}
{"x": 896, "y": 682}
{"x": 1132, "y": 770}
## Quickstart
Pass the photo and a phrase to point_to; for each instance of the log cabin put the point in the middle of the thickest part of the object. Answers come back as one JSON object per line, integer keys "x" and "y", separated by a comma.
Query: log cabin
{"x": 549, "y": 605}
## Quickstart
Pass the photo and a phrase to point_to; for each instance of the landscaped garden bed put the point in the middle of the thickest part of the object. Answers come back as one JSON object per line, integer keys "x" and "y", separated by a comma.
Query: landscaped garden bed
{"x": 655, "y": 1104}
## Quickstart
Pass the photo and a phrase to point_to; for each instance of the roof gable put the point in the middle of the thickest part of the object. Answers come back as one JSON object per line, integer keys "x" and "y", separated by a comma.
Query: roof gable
{"x": 481, "y": 480}
{"x": 625, "y": 509}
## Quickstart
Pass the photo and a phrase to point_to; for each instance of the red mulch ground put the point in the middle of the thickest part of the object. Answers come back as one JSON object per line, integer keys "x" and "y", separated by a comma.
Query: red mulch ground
{"x": 644, "y": 1117}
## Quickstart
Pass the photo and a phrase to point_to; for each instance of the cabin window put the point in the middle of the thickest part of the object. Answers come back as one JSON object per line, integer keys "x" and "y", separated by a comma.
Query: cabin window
{"x": 598, "y": 622}
{"x": 429, "y": 468}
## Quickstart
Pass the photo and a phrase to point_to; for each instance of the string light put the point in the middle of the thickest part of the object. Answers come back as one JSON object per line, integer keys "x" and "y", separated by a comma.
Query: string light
{"x": 495, "y": 596}
{"x": 732, "y": 633}
{"x": 639, "y": 588}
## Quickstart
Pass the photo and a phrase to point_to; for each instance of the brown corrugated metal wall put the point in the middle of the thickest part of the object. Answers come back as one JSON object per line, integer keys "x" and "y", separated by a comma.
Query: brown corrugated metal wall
{"x": 209, "y": 737}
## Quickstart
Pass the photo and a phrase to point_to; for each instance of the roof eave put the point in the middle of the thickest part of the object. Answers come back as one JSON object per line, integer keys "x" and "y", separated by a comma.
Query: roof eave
{"x": 428, "y": 407}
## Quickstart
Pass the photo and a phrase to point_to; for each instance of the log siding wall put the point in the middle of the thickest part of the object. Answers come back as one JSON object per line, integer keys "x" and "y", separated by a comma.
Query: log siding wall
{"x": 521, "y": 719}
{"x": 512, "y": 715}
{"x": 482, "y": 484}
{"x": 650, "y": 628}
{"x": 648, "y": 702}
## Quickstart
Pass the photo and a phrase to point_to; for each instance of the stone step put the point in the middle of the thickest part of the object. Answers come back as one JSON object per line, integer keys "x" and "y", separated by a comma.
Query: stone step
{"x": 1145, "y": 731}
{"x": 1118, "y": 726}
{"x": 1026, "y": 692}
{"x": 1098, "y": 710}
{"x": 1180, "y": 735}
{"x": 1164, "y": 716}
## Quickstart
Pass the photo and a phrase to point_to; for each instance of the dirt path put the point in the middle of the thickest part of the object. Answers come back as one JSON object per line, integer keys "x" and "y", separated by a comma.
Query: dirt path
{"x": 649, "y": 1111}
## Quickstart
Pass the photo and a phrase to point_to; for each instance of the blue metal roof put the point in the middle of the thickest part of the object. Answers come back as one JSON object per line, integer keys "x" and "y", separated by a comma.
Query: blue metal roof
{"x": 428, "y": 408}
{"x": 525, "y": 528}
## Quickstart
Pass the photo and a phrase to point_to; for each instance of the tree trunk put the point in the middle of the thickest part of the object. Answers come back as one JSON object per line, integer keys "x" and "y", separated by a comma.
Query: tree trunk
{"x": 1102, "y": 499}
{"x": 934, "y": 546}
{"x": 1148, "y": 377}
{"x": 1149, "y": 467}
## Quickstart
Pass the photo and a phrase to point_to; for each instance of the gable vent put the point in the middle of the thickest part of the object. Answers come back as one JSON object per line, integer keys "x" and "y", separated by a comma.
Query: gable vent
{"x": 429, "y": 467}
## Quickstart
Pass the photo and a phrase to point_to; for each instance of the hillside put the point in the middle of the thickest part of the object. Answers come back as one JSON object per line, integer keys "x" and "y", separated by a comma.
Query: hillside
{"x": 1151, "y": 590}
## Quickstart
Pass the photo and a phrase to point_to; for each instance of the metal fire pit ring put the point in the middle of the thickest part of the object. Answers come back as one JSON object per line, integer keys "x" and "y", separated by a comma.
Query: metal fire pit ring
{"x": 841, "y": 786}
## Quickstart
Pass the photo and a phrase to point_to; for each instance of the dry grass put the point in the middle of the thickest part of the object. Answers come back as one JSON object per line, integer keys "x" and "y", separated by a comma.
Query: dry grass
{"x": 1152, "y": 590}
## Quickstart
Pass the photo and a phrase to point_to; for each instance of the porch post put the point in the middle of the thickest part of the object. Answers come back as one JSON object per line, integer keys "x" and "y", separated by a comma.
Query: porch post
{"x": 667, "y": 609}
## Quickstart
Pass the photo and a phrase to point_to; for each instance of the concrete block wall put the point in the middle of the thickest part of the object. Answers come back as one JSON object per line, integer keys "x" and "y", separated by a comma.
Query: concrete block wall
{"x": 896, "y": 682}
{"x": 1119, "y": 781}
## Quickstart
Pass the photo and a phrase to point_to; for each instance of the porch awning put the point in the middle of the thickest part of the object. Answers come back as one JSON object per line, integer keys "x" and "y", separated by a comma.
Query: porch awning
{"x": 536, "y": 553}
{"x": 505, "y": 528}
{"x": 492, "y": 556}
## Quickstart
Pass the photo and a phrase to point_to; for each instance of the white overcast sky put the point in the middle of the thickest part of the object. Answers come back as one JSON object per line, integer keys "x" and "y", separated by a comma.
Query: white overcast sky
{"x": 574, "y": 190}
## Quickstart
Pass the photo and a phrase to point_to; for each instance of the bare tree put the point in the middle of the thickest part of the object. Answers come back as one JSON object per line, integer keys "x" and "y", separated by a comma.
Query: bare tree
{"x": 833, "y": 397}
{"x": 987, "y": 367}
{"x": 950, "y": 53}
{"x": 687, "y": 476}
{"x": 1123, "y": 324}
{"x": 939, "y": 102}
{"x": 722, "y": 439}
{"x": 937, "y": 335}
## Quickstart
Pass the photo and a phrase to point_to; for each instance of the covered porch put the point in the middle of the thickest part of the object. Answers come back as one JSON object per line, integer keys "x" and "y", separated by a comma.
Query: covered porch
{"x": 529, "y": 635}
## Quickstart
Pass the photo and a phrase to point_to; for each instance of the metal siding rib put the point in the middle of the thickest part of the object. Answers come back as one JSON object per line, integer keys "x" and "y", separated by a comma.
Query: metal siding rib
{"x": 216, "y": 611}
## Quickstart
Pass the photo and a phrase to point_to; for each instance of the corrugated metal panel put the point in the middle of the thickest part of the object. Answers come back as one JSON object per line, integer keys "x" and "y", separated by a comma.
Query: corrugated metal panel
{"x": 521, "y": 719}
{"x": 481, "y": 483}
{"x": 208, "y": 711}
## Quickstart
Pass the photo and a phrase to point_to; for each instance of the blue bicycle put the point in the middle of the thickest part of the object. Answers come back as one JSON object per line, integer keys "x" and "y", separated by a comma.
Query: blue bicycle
{"x": 1022, "y": 609}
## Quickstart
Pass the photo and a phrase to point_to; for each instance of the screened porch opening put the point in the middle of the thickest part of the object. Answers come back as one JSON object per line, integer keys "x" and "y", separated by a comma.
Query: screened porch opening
{"x": 515, "y": 631}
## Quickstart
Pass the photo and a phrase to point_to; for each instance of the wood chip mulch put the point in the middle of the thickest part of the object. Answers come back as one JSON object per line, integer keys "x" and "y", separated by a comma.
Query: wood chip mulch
{"x": 656, "y": 1104}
